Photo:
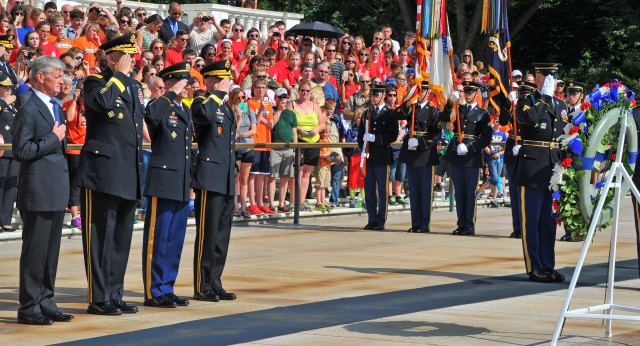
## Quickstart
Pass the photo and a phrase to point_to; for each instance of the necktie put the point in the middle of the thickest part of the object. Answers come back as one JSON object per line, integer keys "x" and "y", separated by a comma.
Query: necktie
{"x": 57, "y": 113}
{"x": 174, "y": 28}
{"x": 572, "y": 110}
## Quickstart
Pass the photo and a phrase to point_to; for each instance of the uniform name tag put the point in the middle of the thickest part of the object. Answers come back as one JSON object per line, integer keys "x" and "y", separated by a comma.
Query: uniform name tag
{"x": 173, "y": 123}
{"x": 543, "y": 126}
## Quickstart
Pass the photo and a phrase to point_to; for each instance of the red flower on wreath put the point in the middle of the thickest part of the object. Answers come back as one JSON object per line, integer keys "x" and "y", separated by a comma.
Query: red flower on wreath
{"x": 558, "y": 222}
{"x": 613, "y": 157}
{"x": 556, "y": 205}
{"x": 585, "y": 106}
{"x": 574, "y": 130}
{"x": 566, "y": 162}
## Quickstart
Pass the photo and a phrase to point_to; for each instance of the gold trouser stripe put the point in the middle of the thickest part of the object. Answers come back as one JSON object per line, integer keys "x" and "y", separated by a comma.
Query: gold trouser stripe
{"x": 87, "y": 219}
{"x": 203, "y": 202}
{"x": 152, "y": 232}
{"x": 433, "y": 172}
{"x": 637, "y": 215}
{"x": 475, "y": 203}
{"x": 386, "y": 198}
{"x": 523, "y": 221}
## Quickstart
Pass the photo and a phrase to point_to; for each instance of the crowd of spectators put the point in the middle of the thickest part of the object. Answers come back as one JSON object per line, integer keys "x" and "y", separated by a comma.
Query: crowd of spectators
{"x": 288, "y": 89}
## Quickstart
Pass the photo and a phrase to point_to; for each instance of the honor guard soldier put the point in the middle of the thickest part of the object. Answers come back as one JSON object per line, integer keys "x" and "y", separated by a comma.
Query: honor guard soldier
{"x": 379, "y": 131}
{"x": 109, "y": 173}
{"x": 466, "y": 157}
{"x": 420, "y": 152}
{"x": 575, "y": 95}
{"x": 8, "y": 166}
{"x": 542, "y": 118}
{"x": 511, "y": 150}
{"x": 213, "y": 181}
{"x": 167, "y": 187}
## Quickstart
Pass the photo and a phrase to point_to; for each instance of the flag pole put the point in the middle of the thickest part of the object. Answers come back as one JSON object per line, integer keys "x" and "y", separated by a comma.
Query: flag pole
{"x": 455, "y": 104}
{"x": 513, "y": 109}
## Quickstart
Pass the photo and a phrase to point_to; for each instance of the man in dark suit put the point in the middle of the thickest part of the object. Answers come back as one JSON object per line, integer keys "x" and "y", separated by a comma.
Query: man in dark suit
{"x": 39, "y": 142}
{"x": 172, "y": 24}
{"x": 8, "y": 165}
{"x": 466, "y": 156}
{"x": 420, "y": 152}
{"x": 380, "y": 131}
{"x": 213, "y": 181}
{"x": 542, "y": 118}
{"x": 167, "y": 189}
{"x": 109, "y": 173}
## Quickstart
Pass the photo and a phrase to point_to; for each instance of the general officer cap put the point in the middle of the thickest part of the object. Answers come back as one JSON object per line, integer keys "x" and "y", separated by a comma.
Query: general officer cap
{"x": 574, "y": 87}
{"x": 5, "y": 80}
{"x": 547, "y": 68}
{"x": 177, "y": 71}
{"x": 6, "y": 41}
{"x": 470, "y": 86}
{"x": 220, "y": 69}
{"x": 527, "y": 86}
{"x": 125, "y": 43}
{"x": 424, "y": 84}
{"x": 378, "y": 88}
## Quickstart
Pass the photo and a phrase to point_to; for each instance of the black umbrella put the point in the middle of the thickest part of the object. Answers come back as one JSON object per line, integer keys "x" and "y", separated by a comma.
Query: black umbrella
{"x": 317, "y": 29}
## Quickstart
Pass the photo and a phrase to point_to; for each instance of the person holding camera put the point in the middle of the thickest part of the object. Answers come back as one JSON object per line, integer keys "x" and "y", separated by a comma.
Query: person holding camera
{"x": 89, "y": 42}
{"x": 200, "y": 32}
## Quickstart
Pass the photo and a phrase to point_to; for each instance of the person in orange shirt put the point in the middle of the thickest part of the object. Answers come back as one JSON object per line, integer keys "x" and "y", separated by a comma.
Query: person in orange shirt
{"x": 44, "y": 30}
{"x": 89, "y": 42}
{"x": 323, "y": 173}
{"x": 260, "y": 104}
{"x": 189, "y": 55}
{"x": 58, "y": 36}
{"x": 76, "y": 133}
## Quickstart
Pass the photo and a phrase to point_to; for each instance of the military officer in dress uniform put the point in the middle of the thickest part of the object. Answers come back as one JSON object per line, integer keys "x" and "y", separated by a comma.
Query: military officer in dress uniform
{"x": 8, "y": 166}
{"x": 575, "y": 95}
{"x": 109, "y": 174}
{"x": 542, "y": 118}
{"x": 380, "y": 130}
{"x": 167, "y": 187}
{"x": 6, "y": 44}
{"x": 213, "y": 181}
{"x": 420, "y": 152}
{"x": 466, "y": 158}
{"x": 524, "y": 88}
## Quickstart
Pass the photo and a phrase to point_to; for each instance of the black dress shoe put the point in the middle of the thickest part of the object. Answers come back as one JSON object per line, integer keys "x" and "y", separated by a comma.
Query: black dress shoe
{"x": 179, "y": 301}
{"x": 224, "y": 295}
{"x": 208, "y": 295}
{"x": 565, "y": 237}
{"x": 163, "y": 301}
{"x": 556, "y": 277}
{"x": 378, "y": 228}
{"x": 457, "y": 231}
{"x": 58, "y": 316}
{"x": 540, "y": 275}
{"x": 467, "y": 231}
{"x": 126, "y": 308}
{"x": 369, "y": 226}
{"x": 516, "y": 235}
{"x": 411, "y": 230}
{"x": 34, "y": 319}
{"x": 104, "y": 308}
{"x": 8, "y": 230}
{"x": 421, "y": 230}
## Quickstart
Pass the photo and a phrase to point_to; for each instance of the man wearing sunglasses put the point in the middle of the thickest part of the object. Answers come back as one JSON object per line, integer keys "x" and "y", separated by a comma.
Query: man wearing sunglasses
{"x": 172, "y": 24}
{"x": 360, "y": 98}
{"x": 466, "y": 156}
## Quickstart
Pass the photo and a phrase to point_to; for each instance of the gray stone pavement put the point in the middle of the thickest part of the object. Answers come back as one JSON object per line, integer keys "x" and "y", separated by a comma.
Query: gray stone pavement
{"x": 327, "y": 282}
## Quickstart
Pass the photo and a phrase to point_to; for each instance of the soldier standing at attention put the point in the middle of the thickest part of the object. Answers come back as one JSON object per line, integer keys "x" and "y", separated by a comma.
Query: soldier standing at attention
{"x": 420, "y": 152}
{"x": 109, "y": 173}
{"x": 379, "y": 130}
{"x": 167, "y": 188}
{"x": 213, "y": 181}
{"x": 466, "y": 158}
{"x": 543, "y": 118}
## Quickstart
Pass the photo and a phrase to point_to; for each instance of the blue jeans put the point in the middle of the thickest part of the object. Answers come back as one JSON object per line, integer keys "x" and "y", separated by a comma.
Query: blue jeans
{"x": 495, "y": 172}
{"x": 336, "y": 174}
{"x": 146, "y": 158}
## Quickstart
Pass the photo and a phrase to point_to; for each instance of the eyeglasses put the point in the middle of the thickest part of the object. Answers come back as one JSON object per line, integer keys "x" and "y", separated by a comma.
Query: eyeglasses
{"x": 183, "y": 39}
{"x": 122, "y": 21}
{"x": 158, "y": 47}
{"x": 307, "y": 45}
{"x": 330, "y": 50}
{"x": 141, "y": 14}
{"x": 283, "y": 97}
{"x": 79, "y": 57}
{"x": 238, "y": 30}
{"x": 161, "y": 87}
{"x": 199, "y": 65}
{"x": 349, "y": 43}
{"x": 363, "y": 54}
{"x": 466, "y": 56}
{"x": 365, "y": 81}
{"x": 305, "y": 90}
{"x": 350, "y": 61}
{"x": 262, "y": 76}
{"x": 254, "y": 35}
{"x": 45, "y": 31}
{"x": 19, "y": 14}
{"x": 284, "y": 48}
{"x": 103, "y": 16}
{"x": 211, "y": 54}
{"x": 378, "y": 38}
{"x": 392, "y": 95}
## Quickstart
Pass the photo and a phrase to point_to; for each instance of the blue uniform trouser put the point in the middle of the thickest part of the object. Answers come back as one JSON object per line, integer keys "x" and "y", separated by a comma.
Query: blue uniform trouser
{"x": 465, "y": 183}
{"x": 514, "y": 194}
{"x": 144, "y": 168}
{"x": 636, "y": 218}
{"x": 336, "y": 174}
{"x": 421, "y": 189}
{"x": 375, "y": 187}
{"x": 164, "y": 230}
{"x": 538, "y": 229}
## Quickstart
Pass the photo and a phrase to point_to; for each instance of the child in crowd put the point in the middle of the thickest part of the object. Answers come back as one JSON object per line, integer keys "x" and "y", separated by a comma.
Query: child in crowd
{"x": 323, "y": 173}
{"x": 355, "y": 181}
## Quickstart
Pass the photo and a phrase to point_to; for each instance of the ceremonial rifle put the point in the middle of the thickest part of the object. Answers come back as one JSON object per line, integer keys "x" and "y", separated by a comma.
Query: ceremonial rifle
{"x": 365, "y": 148}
